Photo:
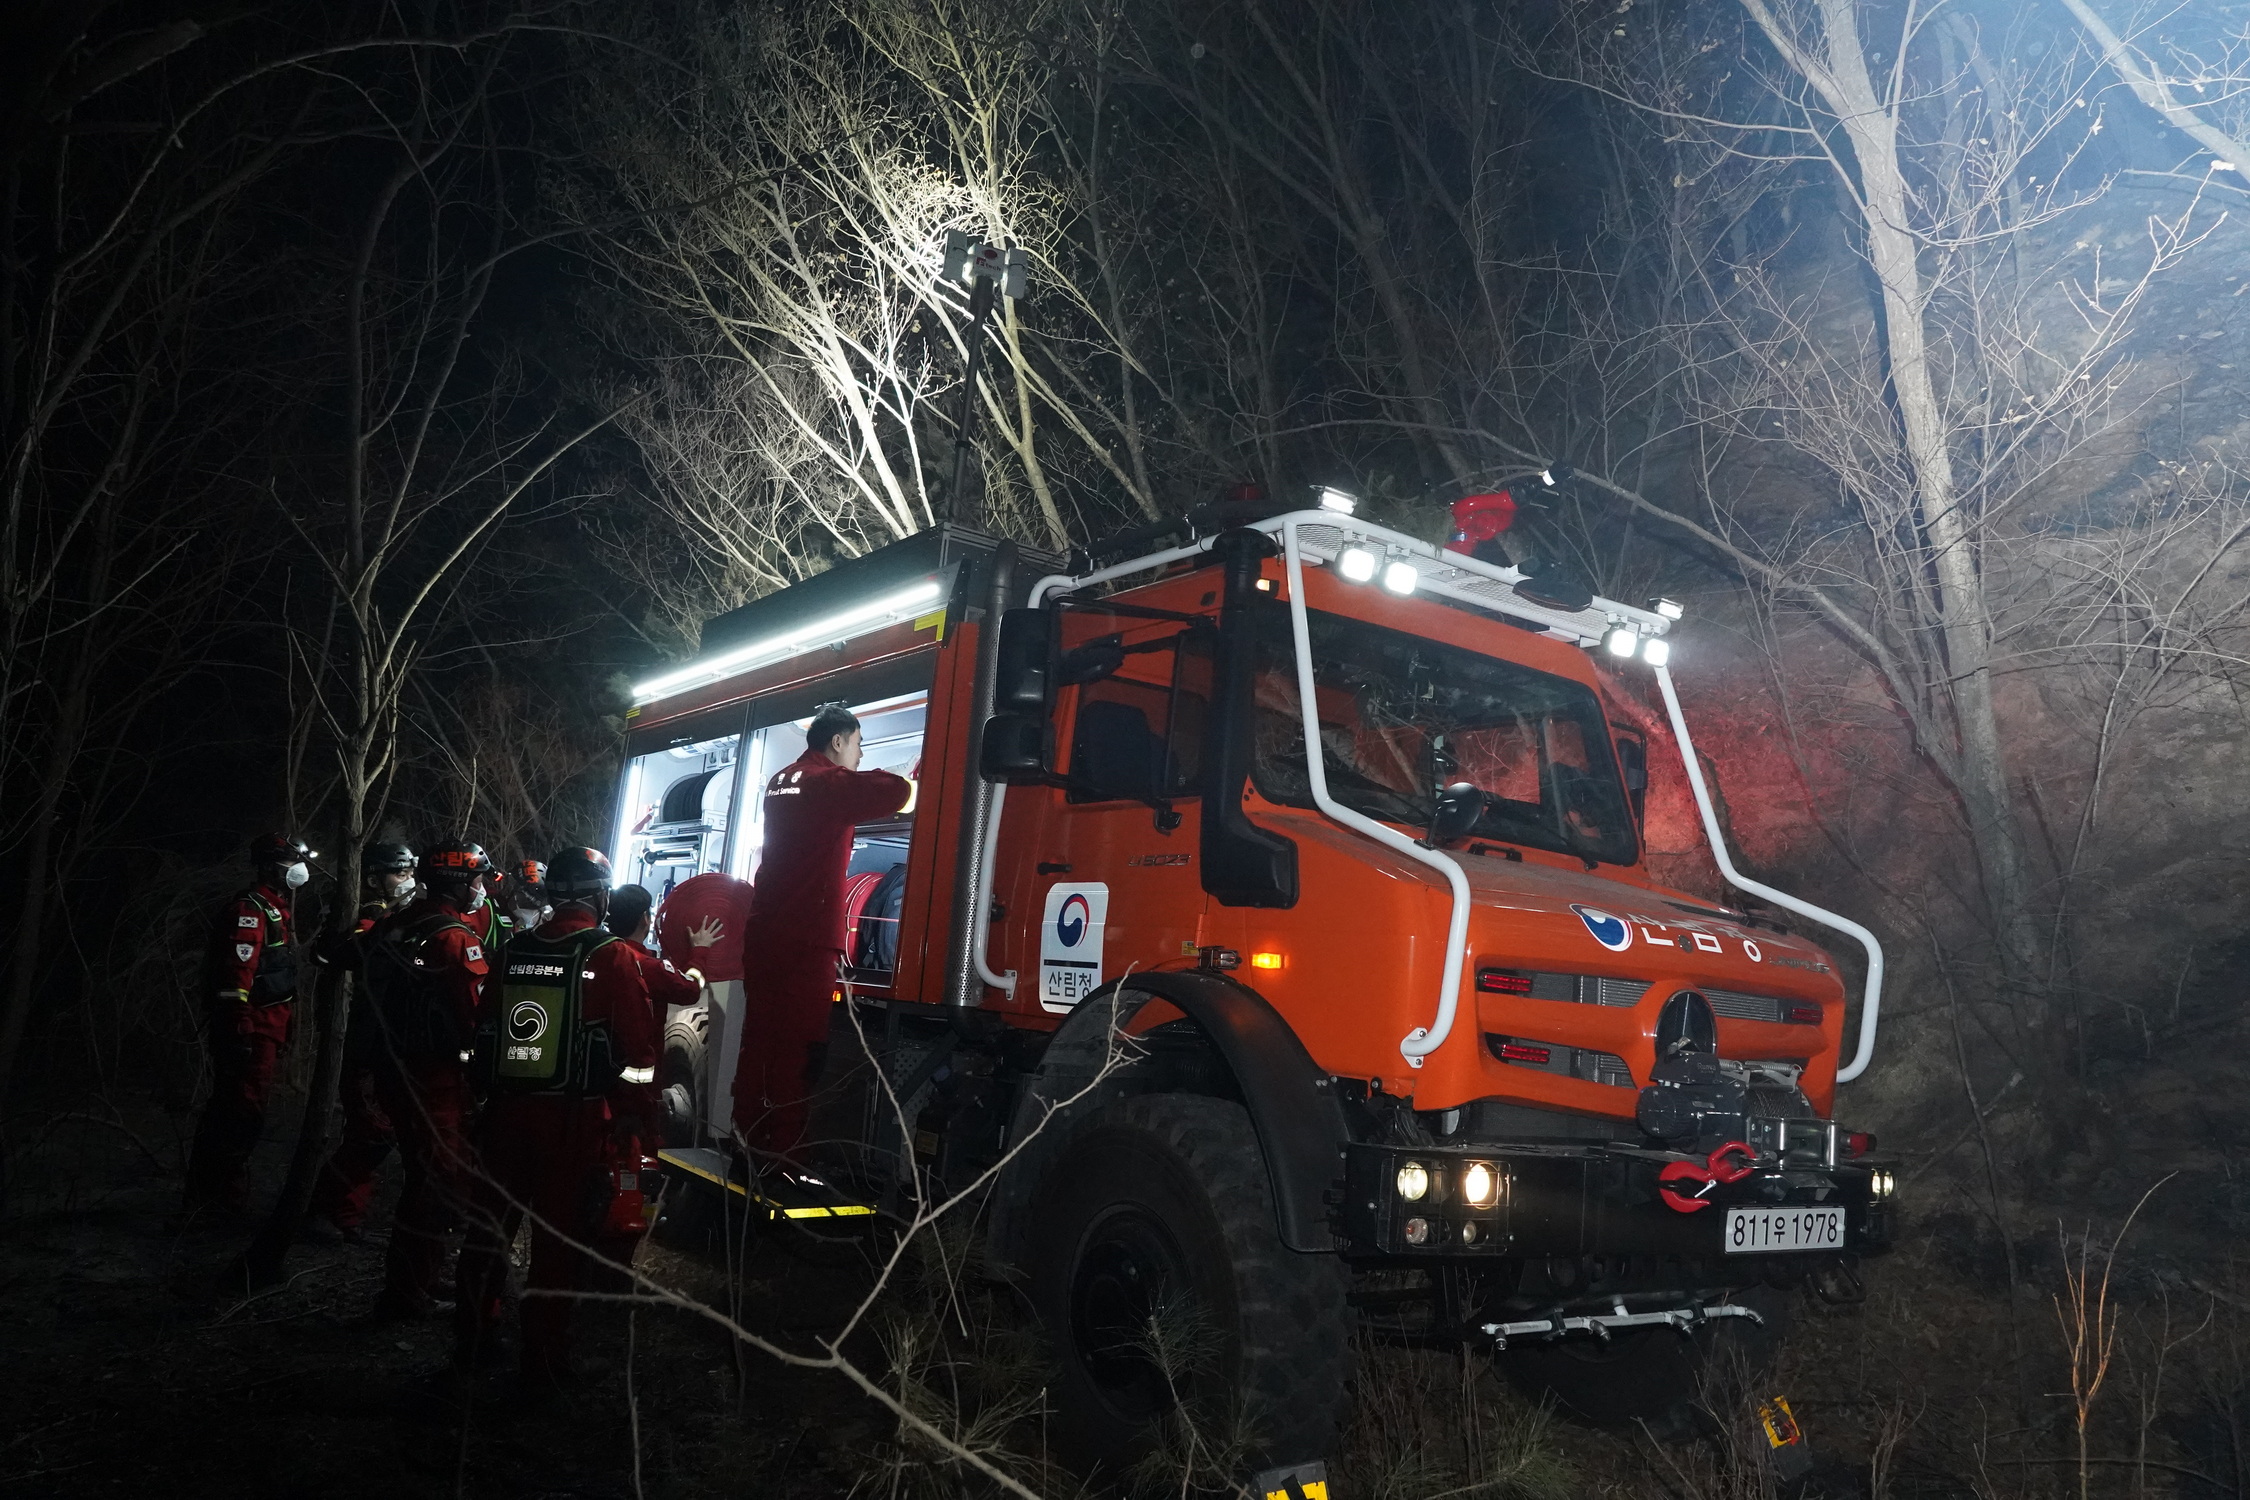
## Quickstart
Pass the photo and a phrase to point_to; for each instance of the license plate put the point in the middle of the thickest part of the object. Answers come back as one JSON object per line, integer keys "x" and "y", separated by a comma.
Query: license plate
{"x": 1752, "y": 1231}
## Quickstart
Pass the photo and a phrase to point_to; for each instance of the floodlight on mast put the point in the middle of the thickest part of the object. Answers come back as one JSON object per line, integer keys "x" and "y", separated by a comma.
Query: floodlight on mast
{"x": 986, "y": 268}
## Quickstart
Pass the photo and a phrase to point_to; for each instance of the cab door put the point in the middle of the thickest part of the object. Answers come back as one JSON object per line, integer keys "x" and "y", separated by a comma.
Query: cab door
{"x": 1103, "y": 865}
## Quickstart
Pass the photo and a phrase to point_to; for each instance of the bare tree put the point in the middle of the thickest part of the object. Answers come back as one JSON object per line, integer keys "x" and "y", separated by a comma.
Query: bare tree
{"x": 2201, "y": 91}
{"x": 436, "y": 447}
{"x": 768, "y": 200}
{"x": 1994, "y": 355}
{"x": 124, "y": 160}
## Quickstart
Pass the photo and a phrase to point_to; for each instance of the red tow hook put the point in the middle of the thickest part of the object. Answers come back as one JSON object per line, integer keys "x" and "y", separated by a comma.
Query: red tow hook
{"x": 1685, "y": 1185}
{"x": 1732, "y": 1162}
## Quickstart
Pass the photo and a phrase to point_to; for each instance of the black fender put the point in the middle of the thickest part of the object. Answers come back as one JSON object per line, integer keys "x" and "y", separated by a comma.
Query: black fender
{"x": 1292, "y": 1103}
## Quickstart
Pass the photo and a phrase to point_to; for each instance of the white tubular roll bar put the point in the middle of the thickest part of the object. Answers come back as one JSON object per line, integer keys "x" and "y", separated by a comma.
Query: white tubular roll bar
{"x": 1006, "y": 983}
{"x": 1422, "y": 1040}
{"x": 1871, "y": 1000}
{"x": 1324, "y": 535}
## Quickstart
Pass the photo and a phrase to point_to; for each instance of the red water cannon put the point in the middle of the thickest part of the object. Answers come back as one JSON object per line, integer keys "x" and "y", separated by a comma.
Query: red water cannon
{"x": 1477, "y": 519}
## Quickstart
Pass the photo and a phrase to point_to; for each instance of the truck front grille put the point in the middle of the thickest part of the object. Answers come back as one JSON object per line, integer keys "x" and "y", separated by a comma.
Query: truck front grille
{"x": 1576, "y": 989}
{"x": 1554, "y": 1057}
{"x": 1622, "y": 994}
{"x": 1741, "y": 1007}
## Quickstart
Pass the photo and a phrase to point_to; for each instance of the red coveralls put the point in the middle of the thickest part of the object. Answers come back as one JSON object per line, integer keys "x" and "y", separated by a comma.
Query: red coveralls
{"x": 246, "y": 1025}
{"x": 666, "y": 985}
{"x": 429, "y": 1102}
{"x": 347, "y": 1182}
{"x": 796, "y": 936}
{"x": 550, "y": 1154}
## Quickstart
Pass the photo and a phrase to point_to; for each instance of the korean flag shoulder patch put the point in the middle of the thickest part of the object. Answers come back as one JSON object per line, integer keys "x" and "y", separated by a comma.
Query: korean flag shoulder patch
{"x": 246, "y": 920}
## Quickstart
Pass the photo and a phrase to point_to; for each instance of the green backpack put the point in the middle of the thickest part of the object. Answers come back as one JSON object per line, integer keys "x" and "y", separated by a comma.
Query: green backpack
{"x": 537, "y": 1039}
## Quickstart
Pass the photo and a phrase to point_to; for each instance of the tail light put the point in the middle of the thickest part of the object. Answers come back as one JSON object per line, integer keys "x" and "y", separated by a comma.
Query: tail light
{"x": 1503, "y": 982}
{"x": 1524, "y": 1052}
{"x": 1802, "y": 1015}
{"x": 1858, "y": 1143}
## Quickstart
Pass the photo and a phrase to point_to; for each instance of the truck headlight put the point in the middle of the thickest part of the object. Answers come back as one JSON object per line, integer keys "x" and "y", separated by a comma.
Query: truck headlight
{"x": 1480, "y": 1185}
{"x": 1413, "y": 1181}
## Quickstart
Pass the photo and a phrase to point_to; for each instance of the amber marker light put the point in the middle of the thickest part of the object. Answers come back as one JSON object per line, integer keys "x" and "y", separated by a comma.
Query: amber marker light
{"x": 1265, "y": 960}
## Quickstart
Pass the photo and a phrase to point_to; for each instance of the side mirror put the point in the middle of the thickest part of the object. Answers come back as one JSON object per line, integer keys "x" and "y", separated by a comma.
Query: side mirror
{"x": 1018, "y": 747}
{"x": 1458, "y": 808}
{"x": 1024, "y": 666}
{"x": 1632, "y": 763}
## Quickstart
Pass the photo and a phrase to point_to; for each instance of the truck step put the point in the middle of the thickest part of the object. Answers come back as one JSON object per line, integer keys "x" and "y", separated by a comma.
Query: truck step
{"x": 782, "y": 1194}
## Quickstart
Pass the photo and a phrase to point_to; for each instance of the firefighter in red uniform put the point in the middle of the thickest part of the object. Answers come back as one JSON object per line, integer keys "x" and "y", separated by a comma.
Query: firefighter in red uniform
{"x": 569, "y": 1053}
{"x": 347, "y": 1182}
{"x": 527, "y": 895}
{"x": 488, "y": 917}
{"x": 426, "y": 969}
{"x": 795, "y": 932}
{"x": 250, "y": 974}
{"x": 630, "y": 907}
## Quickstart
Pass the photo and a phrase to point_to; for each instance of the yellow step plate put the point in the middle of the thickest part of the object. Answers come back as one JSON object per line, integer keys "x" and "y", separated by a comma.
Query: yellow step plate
{"x": 711, "y": 1166}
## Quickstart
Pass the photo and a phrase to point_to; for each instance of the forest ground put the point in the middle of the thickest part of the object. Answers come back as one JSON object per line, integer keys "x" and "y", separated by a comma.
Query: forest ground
{"x": 128, "y": 1368}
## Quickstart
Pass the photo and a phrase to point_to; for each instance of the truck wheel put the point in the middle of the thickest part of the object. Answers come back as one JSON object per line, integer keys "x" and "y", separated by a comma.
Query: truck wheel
{"x": 681, "y": 1076}
{"x": 1164, "y": 1287}
{"x": 1658, "y": 1376}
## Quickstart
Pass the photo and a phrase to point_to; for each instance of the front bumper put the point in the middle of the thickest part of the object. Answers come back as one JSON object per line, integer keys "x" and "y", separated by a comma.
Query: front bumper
{"x": 1587, "y": 1200}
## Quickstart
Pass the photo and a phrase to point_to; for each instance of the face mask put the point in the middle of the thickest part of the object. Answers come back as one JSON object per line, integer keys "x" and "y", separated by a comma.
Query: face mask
{"x": 296, "y": 875}
{"x": 476, "y": 898}
{"x": 396, "y": 886}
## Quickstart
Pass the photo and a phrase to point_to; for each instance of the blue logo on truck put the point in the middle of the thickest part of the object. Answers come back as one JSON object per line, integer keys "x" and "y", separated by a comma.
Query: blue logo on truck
{"x": 1611, "y": 932}
{"x": 1070, "y": 922}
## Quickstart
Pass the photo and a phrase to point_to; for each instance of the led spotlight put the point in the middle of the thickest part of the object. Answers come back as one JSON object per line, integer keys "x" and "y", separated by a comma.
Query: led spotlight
{"x": 1413, "y": 1181}
{"x": 1667, "y": 608}
{"x": 1657, "y": 652}
{"x": 1357, "y": 564}
{"x": 1479, "y": 1185}
{"x": 1338, "y": 501}
{"x": 1623, "y": 641}
{"x": 1400, "y": 577}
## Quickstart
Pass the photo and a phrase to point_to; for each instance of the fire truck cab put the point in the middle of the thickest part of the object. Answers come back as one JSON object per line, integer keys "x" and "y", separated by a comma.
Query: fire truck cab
{"x": 1269, "y": 945}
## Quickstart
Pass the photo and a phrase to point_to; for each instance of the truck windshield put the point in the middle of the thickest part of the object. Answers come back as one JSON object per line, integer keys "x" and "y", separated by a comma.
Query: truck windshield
{"x": 1401, "y": 716}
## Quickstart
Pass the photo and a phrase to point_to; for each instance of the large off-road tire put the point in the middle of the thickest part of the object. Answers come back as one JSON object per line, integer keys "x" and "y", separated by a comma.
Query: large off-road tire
{"x": 681, "y": 1077}
{"x": 1157, "y": 1218}
{"x": 1675, "y": 1383}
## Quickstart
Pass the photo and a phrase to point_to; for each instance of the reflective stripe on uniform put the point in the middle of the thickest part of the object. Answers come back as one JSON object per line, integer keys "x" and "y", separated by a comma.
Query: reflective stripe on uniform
{"x": 638, "y": 1075}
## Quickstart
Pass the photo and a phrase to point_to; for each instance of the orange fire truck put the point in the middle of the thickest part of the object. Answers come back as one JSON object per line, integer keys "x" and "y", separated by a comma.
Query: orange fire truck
{"x": 1272, "y": 917}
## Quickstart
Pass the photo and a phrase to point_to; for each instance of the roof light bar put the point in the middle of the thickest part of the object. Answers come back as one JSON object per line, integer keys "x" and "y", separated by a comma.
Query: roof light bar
{"x": 1339, "y": 501}
{"x": 1667, "y": 608}
{"x": 850, "y": 622}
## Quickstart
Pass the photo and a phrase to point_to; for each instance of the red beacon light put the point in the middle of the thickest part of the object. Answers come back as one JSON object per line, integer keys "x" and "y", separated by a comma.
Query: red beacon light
{"x": 1478, "y": 519}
